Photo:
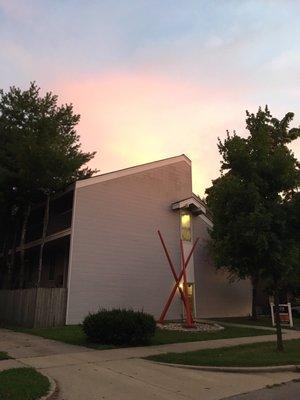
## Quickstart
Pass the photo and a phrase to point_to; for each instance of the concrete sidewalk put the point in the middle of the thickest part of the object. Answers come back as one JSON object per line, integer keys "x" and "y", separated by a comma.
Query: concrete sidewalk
{"x": 120, "y": 374}
{"x": 20, "y": 346}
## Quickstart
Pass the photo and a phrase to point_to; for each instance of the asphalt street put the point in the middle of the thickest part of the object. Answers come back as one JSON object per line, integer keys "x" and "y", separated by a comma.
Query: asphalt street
{"x": 285, "y": 391}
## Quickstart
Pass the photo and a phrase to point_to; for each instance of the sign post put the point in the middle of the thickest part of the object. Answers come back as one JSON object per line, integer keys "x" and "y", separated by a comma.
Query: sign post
{"x": 285, "y": 315}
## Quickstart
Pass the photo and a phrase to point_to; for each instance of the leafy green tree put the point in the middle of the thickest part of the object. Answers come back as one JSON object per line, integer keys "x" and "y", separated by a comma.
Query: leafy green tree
{"x": 233, "y": 205}
{"x": 256, "y": 206}
{"x": 40, "y": 153}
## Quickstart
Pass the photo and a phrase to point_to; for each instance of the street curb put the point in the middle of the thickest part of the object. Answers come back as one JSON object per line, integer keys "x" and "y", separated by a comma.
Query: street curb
{"x": 277, "y": 368}
{"x": 53, "y": 390}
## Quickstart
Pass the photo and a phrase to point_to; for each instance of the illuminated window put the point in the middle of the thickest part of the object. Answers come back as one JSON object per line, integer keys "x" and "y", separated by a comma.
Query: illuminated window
{"x": 185, "y": 222}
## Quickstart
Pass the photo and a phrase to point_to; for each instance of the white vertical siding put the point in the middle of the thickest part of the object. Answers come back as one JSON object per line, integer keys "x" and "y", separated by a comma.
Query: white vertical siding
{"x": 117, "y": 259}
{"x": 215, "y": 295}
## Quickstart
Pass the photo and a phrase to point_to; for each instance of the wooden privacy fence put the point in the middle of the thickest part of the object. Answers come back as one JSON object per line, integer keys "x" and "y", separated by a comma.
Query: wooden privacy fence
{"x": 41, "y": 308}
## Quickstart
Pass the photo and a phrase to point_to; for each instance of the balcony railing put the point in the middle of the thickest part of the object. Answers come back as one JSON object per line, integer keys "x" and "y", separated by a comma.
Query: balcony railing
{"x": 57, "y": 223}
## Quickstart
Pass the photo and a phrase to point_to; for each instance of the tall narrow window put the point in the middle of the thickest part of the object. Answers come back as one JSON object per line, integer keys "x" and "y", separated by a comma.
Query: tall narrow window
{"x": 185, "y": 222}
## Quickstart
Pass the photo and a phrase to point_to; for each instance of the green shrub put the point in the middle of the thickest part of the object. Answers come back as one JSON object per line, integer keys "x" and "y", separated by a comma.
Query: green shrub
{"x": 119, "y": 327}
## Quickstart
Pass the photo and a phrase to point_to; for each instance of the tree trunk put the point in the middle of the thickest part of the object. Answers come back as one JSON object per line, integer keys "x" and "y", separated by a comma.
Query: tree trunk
{"x": 45, "y": 226}
{"x": 254, "y": 281}
{"x": 22, "y": 245}
{"x": 277, "y": 320}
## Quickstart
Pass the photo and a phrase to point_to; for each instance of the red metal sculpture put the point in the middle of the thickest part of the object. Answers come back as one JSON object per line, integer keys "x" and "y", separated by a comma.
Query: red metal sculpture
{"x": 182, "y": 275}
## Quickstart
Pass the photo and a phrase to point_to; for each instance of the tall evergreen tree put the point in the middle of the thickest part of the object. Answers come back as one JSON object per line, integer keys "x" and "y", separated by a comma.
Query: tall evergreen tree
{"x": 40, "y": 152}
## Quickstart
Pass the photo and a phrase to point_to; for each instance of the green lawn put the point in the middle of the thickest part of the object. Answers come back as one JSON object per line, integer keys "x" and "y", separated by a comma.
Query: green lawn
{"x": 4, "y": 356}
{"x": 73, "y": 334}
{"x": 22, "y": 384}
{"x": 250, "y": 355}
{"x": 262, "y": 321}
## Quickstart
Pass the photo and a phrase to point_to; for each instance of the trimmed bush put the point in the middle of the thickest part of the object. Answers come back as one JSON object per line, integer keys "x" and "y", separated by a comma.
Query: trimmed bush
{"x": 119, "y": 327}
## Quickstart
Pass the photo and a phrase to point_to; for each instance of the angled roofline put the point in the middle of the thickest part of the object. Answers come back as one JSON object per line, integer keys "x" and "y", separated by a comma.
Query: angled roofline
{"x": 132, "y": 170}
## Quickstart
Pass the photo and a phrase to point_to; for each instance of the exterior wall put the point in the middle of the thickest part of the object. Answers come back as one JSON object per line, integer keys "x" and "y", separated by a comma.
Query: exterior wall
{"x": 215, "y": 295}
{"x": 116, "y": 257}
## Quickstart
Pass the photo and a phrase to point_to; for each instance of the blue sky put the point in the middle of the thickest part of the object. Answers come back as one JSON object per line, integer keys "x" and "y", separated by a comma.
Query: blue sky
{"x": 156, "y": 78}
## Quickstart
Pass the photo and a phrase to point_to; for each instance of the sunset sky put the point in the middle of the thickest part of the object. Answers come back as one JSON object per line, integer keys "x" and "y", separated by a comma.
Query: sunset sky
{"x": 153, "y": 79}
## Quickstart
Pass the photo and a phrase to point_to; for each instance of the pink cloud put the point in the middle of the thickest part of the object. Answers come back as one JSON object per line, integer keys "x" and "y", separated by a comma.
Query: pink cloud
{"x": 136, "y": 118}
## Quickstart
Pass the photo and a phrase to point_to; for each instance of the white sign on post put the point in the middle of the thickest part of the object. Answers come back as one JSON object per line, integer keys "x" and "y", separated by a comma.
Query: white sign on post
{"x": 285, "y": 315}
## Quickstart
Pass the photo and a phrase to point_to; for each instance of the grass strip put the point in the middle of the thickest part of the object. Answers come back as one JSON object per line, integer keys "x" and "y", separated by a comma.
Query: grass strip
{"x": 249, "y": 355}
{"x": 22, "y": 384}
{"x": 73, "y": 334}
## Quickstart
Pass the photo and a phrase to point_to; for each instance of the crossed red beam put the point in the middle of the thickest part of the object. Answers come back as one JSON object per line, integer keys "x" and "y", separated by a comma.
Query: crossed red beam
{"x": 183, "y": 293}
